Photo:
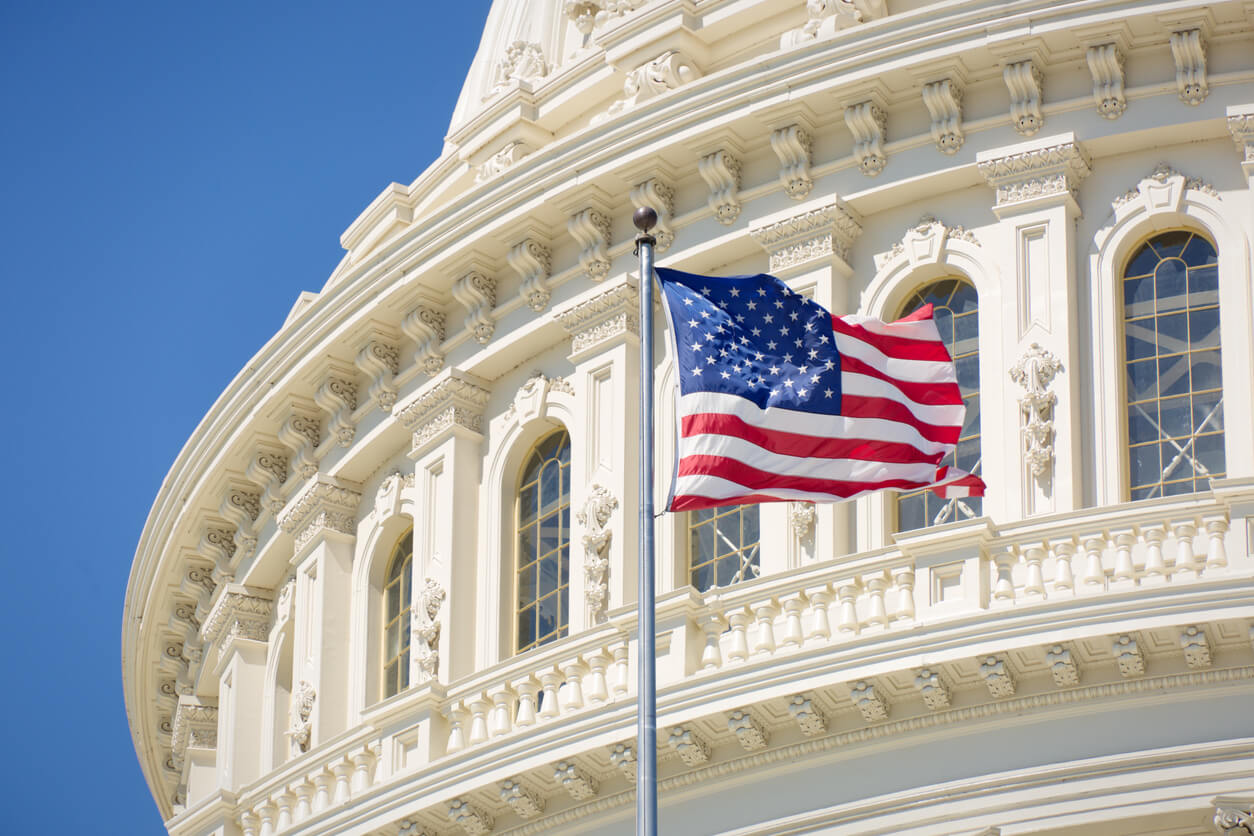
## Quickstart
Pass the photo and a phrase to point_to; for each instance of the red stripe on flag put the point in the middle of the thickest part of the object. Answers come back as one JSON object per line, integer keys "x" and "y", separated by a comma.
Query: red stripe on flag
{"x": 760, "y": 480}
{"x": 935, "y": 394}
{"x": 899, "y": 348}
{"x": 853, "y": 406}
{"x": 806, "y": 446}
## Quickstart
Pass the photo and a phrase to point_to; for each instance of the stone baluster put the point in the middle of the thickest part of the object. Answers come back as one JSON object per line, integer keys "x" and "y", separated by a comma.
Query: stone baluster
{"x": 1155, "y": 566}
{"x": 764, "y": 612}
{"x": 1094, "y": 573}
{"x": 363, "y": 767}
{"x": 1125, "y": 569}
{"x": 499, "y": 722}
{"x": 248, "y": 824}
{"x": 1034, "y": 580}
{"x": 479, "y": 708}
{"x": 1003, "y": 578}
{"x": 1186, "y": 564}
{"x": 456, "y": 729}
{"x": 792, "y": 622}
{"x": 285, "y": 802}
{"x": 528, "y": 691}
{"x": 738, "y": 649}
{"x": 820, "y": 599}
{"x": 342, "y": 770}
{"x": 903, "y": 579}
{"x": 572, "y": 691}
{"x": 1064, "y": 578}
{"x": 877, "y": 584}
{"x": 266, "y": 813}
{"x": 304, "y": 799}
{"x": 322, "y": 790}
{"x": 550, "y": 682}
{"x": 622, "y": 669}
{"x": 712, "y": 626}
{"x": 1216, "y": 551}
{"x": 598, "y": 692}
{"x": 847, "y": 591}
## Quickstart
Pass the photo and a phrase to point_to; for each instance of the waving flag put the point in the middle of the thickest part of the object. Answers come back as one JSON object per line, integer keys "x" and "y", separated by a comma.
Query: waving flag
{"x": 780, "y": 400}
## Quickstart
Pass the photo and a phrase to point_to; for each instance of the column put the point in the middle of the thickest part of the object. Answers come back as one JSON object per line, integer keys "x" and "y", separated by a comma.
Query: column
{"x": 808, "y": 247}
{"x": 446, "y": 420}
{"x": 605, "y": 332}
{"x": 1037, "y": 327}
{"x": 323, "y": 521}
{"x": 235, "y": 633}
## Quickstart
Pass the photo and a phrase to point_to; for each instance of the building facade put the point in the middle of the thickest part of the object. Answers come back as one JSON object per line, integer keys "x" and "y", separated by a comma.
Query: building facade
{"x": 388, "y": 586}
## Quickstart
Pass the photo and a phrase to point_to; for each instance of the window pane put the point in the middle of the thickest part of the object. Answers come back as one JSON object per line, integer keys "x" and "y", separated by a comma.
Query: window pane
{"x": 543, "y": 538}
{"x": 1173, "y": 382}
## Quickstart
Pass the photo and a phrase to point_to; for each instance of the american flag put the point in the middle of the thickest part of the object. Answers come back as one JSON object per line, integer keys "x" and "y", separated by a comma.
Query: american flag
{"x": 780, "y": 400}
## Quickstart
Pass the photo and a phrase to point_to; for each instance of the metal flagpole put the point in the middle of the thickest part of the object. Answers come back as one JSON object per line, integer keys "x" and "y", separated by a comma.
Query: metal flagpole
{"x": 646, "y": 663}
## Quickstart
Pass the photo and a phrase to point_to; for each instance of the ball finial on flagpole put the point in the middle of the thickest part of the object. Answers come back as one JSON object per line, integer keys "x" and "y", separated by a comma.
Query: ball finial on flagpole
{"x": 645, "y": 218}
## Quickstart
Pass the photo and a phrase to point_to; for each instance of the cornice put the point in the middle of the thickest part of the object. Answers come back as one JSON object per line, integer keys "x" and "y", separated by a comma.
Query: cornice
{"x": 324, "y": 504}
{"x": 1046, "y": 171}
{"x": 821, "y": 229}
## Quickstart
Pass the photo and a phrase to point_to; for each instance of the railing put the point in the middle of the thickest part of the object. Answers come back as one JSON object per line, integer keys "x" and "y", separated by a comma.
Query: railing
{"x": 945, "y": 574}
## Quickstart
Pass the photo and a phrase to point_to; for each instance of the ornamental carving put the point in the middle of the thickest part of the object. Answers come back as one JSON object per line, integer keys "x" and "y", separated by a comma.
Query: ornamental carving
{"x": 425, "y": 326}
{"x": 801, "y": 517}
{"x": 602, "y": 318}
{"x": 195, "y": 726}
{"x": 301, "y": 433}
{"x": 522, "y": 61}
{"x": 1052, "y": 170}
{"x": 387, "y": 499}
{"x": 502, "y": 160}
{"x": 322, "y": 506}
{"x": 665, "y": 72}
{"x": 1188, "y": 51}
{"x": 530, "y": 398}
{"x": 588, "y": 15}
{"x": 476, "y": 291}
{"x": 302, "y": 706}
{"x": 721, "y": 173}
{"x": 595, "y": 518}
{"x": 943, "y": 100}
{"x": 1161, "y": 176}
{"x": 426, "y": 627}
{"x": 825, "y": 18}
{"x": 1035, "y": 372}
{"x": 452, "y": 401}
{"x": 824, "y": 232}
{"x": 237, "y": 613}
{"x": 924, "y": 240}
{"x": 1241, "y": 126}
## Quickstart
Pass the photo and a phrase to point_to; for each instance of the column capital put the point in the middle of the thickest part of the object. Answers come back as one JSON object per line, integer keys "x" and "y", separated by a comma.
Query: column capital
{"x": 452, "y": 402}
{"x": 1241, "y": 126}
{"x": 195, "y": 725}
{"x": 240, "y": 612}
{"x": 325, "y": 504}
{"x": 1032, "y": 175}
{"x": 602, "y": 318}
{"x": 819, "y": 230}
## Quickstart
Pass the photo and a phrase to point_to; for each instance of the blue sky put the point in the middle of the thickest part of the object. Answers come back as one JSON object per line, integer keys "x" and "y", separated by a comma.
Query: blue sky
{"x": 173, "y": 176}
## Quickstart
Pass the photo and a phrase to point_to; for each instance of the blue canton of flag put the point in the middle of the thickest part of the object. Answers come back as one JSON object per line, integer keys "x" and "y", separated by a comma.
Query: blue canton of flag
{"x": 753, "y": 336}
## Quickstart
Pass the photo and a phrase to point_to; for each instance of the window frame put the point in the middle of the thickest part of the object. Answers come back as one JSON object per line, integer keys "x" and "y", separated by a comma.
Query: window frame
{"x": 562, "y": 591}
{"x": 405, "y": 610}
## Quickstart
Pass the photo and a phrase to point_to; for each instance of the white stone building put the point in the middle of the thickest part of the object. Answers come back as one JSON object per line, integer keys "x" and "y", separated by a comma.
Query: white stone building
{"x": 388, "y": 586}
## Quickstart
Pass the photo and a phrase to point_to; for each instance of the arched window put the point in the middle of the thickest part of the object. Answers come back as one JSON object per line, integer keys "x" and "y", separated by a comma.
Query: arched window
{"x": 723, "y": 545}
{"x": 956, "y": 312}
{"x": 398, "y": 598}
{"x": 1171, "y": 355}
{"x": 543, "y": 567}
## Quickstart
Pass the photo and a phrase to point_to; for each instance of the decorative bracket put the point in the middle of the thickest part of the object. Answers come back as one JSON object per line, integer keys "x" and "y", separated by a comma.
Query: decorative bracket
{"x": 1106, "y": 66}
{"x": 1023, "y": 80}
{"x": 531, "y": 259}
{"x": 337, "y": 396}
{"x": 380, "y": 360}
{"x": 868, "y": 123}
{"x": 590, "y": 228}
{"x": 425, "y": 326}
{"x": 1188, "y": 50}
{"x": 659, "y": 196}
{"x": 944, "y": 104}
{"x": 793, "y": 146}
{"x": 720, "y": 170}
{"x": 476, "y": 291}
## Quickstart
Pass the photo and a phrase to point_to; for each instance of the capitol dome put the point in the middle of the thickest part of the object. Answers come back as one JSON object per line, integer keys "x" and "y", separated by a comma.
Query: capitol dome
{"x": 388, "y": 587}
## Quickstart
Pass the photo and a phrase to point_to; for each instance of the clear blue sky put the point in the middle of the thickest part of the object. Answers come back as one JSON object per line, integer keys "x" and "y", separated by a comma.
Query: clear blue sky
{"x": 174, "y": 175}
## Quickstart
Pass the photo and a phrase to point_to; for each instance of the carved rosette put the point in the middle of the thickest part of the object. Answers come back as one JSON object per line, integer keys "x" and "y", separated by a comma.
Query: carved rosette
{"x": 1034, "y": 372}
{"x": 595, "y": 519}
{"x": 1048, "y": 172}
{"x": 426, "y": 630}
{"x": 451, "y": 401}
{"x": 604, "y": 318}
{"x": 323, "y": 505}
{"x": 825, "y": 231}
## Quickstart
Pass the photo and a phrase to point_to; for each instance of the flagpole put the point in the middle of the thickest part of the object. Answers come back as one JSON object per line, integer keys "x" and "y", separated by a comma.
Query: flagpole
{"x": 646, "y": 663}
